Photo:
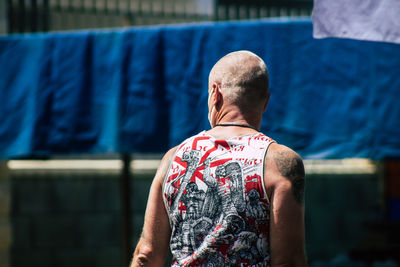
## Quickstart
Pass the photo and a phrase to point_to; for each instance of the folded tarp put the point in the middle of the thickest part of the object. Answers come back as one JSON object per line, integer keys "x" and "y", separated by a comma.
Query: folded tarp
{"x": 144, "y": 89}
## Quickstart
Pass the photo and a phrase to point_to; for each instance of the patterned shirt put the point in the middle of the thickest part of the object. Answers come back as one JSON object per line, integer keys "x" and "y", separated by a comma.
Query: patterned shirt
{"x": 215, "y": 197}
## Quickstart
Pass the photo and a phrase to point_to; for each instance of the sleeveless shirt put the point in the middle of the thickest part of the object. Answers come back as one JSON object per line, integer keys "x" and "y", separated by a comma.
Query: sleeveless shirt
{"x": 216, "y": 201}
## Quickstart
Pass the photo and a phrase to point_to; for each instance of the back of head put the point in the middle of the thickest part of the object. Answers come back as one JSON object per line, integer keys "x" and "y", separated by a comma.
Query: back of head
{"x": 243, "y": 77}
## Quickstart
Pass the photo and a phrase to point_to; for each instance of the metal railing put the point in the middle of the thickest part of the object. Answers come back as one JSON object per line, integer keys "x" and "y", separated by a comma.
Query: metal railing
{"x": 54, "y": 15}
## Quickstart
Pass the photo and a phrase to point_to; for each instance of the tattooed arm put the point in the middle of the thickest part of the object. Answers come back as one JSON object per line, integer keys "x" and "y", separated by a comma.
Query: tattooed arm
{"x": 284, "y": 180}
{"x": 152, "y": 247}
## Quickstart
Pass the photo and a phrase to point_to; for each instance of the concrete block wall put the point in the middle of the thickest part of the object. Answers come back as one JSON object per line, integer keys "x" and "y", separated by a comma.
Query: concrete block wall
{"x": 338, "y": 207}
{"x": 75, "y": 219}
{"x": 69, "y": 221}
{"x": 5, "y": 225}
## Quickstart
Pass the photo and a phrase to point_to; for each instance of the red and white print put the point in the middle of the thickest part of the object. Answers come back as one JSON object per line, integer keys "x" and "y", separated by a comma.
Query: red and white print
{"x": 217, "y": 204}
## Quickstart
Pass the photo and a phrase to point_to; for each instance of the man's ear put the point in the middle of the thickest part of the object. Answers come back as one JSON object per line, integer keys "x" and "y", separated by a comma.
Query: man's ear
{"x": 218, "y": 93}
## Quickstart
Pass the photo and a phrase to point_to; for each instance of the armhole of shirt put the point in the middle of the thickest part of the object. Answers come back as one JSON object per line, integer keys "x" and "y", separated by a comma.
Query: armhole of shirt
{"x": 263, "y": 171}
{"x": 164, "y": 182}
{"x": 167, "y": 208}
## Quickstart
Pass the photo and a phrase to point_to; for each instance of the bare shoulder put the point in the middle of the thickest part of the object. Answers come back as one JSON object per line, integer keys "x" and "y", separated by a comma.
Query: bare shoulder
{"x": 170, "y": 153}
{"x": 285, "y": 167}
{"x": 164, "y": 164}
{"x": 288, "y": 162}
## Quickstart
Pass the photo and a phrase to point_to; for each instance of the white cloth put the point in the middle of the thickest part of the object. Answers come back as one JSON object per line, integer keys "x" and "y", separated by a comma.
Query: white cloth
{"x": 372, "y": 20}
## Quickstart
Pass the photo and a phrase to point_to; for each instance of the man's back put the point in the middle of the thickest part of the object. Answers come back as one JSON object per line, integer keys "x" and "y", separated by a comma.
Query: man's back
{"x": 230, "y": 196}
{"x": 216, "y": 200}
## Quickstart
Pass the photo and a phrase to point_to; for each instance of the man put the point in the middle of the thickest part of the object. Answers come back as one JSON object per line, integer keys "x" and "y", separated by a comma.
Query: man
{"x": 230, "y": 196}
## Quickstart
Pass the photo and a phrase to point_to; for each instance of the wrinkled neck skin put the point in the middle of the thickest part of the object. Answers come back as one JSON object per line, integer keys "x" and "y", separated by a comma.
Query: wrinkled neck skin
{"x": 231, "y": 114}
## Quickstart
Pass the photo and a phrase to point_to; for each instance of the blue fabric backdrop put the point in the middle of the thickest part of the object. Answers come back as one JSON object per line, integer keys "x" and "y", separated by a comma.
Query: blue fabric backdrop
{"x": 145, "y": 89}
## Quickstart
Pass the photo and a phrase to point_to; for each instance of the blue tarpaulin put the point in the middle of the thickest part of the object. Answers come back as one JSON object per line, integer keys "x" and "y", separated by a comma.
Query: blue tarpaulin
{"x": 144, "y": 89}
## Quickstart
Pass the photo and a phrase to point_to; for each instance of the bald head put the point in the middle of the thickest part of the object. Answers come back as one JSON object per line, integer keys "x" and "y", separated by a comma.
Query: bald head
{"x": 243, "y": 78}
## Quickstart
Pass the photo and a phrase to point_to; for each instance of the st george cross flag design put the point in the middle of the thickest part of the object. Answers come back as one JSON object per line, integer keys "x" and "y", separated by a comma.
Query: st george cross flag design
{"x": 372, "y": 20}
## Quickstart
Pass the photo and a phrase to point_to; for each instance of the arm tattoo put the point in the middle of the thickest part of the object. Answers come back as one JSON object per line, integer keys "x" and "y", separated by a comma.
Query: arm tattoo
{"x": 291, "y": 167}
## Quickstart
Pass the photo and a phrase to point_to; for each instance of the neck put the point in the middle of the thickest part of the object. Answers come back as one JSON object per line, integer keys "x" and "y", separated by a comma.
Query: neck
{"x": 236, "y": 124}
{"x": 236, "y": 117}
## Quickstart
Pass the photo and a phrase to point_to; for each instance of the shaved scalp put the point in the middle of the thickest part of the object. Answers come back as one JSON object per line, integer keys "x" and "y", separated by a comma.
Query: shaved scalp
{"x": 243, "y": 77}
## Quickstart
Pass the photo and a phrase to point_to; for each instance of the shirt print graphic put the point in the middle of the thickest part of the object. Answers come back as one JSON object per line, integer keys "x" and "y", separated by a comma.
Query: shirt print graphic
{"x": 218, "y": 209}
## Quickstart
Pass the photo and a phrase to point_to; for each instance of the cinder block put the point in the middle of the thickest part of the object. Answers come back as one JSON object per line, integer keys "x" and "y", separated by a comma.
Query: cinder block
{"x": 5, "y": 235}
{"x": 75, "y": 258}
{"x": 140, "y": 192}
{"x": 55, "y": 232}
{"x": 58, "y": 196}
{"x": 337, "y": 206}
{"x": 21, "y": 232}
{"x": 137, "y": 225}
{"x": 24, "y": 258}
{"x": 99, "y": 230}
{"x": 5, "y": 196}
{"x": 30, "y": 196}
{"x": 4, "y": 258}
{"x": 362, "y": 193}
{"x": 108, "y": 257}
{"x": 106, "y": 194}
{"x": 72, "y": 195}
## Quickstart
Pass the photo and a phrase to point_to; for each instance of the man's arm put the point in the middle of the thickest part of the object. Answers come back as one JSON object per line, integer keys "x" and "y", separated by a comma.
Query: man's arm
{"x": 152, "y": 247}
{"x": 285, "y": 181}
